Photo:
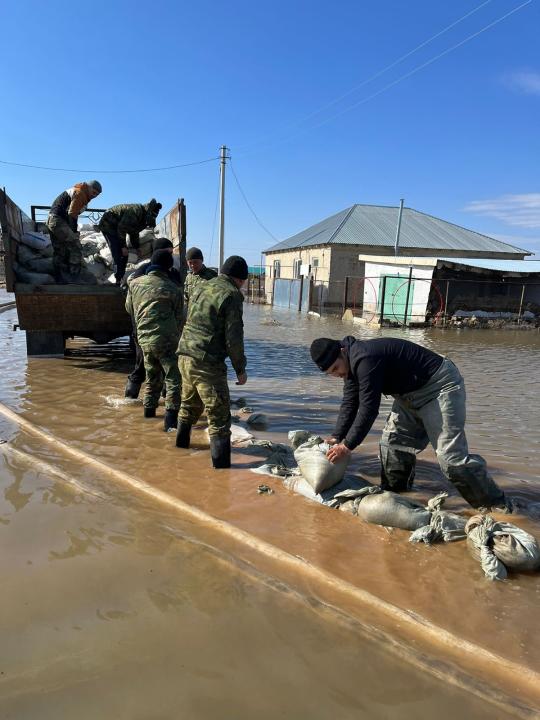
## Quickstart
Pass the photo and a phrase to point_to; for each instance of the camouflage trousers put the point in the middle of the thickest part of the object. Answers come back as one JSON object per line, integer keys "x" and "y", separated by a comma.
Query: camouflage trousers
{"x": 161, "y": 363}
{"x": 435, "y": 414}
{"x": 67, "y": 251}
{"x": 204, "y": 387}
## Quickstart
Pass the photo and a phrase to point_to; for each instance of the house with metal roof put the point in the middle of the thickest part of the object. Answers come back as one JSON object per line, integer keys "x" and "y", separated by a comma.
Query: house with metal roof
{"x": 371, "y": 241}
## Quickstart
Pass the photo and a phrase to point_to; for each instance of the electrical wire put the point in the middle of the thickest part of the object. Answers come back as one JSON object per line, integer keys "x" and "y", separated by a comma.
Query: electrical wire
{"x": 382, "y": 71}
{"x": 397, "y": 81}
{"x": 252, "y": 211}
{"x": 102, "y": 172}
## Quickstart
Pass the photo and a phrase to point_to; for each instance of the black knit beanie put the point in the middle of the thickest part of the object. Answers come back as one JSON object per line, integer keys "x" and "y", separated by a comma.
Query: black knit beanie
{"x": 163, "y": 259}
{"x": 325, "y": 352}
{"x": 194, "y": 254}
{"x": 161, "y": 244}
{"x": 236, "y": 267}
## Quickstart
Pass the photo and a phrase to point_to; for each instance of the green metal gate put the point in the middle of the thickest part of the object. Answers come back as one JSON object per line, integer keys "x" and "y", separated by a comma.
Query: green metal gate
{"x": 396, "y": 290}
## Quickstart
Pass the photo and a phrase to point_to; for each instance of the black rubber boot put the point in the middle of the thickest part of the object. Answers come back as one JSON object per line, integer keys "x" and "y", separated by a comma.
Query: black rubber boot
{"x": 220, "y": 450}
{"x": 132, "y": 390}
{"x": 183, "y": 435}
{"x": 171, "y": 419}
{"x": 149, "y": 412}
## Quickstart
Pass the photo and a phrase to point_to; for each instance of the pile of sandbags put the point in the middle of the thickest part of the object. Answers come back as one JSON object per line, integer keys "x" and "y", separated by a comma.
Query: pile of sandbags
{"x": 34, "y": 263}
{"x": 500, "y": 546}
{"x": 97, "y": 256}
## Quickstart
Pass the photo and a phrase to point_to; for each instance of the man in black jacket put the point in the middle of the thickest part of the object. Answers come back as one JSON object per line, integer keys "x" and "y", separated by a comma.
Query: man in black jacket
{"x": 429, "y": 407}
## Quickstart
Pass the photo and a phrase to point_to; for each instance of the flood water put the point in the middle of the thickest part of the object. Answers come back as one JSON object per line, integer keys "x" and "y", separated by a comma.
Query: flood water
{"x": 116, "y": 605}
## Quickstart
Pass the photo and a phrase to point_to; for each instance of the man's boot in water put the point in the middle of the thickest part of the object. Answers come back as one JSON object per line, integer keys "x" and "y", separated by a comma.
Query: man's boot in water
{"x": 171, "y": 419}
{"x": 220, "y": 450}
{"x": 132, "y": 389}
{"x": 149, "y": 412}
{"x": 183, "y": 435}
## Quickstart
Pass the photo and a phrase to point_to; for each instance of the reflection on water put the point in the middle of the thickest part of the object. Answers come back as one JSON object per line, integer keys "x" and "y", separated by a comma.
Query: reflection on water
{"x": 105, "y": 588}
{"x": 116, "y": 630}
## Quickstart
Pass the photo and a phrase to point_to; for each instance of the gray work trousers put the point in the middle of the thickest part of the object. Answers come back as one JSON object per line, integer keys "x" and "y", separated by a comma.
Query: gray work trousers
{"x": 435, "y": 414}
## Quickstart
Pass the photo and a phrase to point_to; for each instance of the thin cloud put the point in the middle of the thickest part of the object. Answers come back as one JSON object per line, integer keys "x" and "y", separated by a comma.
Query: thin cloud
{"x": 525, "y": 82}
{"x": 514, "y": 210}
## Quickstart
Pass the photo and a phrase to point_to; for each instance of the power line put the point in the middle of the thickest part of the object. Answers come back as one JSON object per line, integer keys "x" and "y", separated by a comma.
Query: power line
{"x": 382, "y": 71}
{"x": 102, "y": 172}
{"x": 252, "y": 211}
{"x": 423, "y": 65}
{"x": 399, "y": 79}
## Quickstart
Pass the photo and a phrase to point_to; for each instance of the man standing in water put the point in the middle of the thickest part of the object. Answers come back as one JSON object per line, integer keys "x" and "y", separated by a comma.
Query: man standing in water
{"x": 214, "y": 331}
{"x": 429, "y": 407}
{"x": 155, "y": 301}
{"x": 198, "y": 272}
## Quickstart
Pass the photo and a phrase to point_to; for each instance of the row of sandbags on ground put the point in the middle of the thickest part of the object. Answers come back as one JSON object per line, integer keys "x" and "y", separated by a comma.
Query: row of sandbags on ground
{"x": 499, "y": 546}
{"x": 34, "y": 262}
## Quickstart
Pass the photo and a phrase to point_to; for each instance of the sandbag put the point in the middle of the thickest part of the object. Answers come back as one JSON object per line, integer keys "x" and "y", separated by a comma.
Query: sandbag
{"x": 443, "y": 525}
{"x": 146, "y": 241}
{"x": 36, "y": 240}
{"x": 26, "y": 254}
{"x": 32, "y": 278}
{"x": 501, "y": 545}
{"x": 92, "y": 243}
{"x": 97, "y": 267}
{"x": 315, "y": 467}
{"x": 382, "y": 507}
{"x": 33, "y": 261}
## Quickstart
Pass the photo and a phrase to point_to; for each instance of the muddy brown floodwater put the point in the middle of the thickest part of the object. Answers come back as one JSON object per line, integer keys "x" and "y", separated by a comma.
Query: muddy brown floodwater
{"x": 117, "y": 604}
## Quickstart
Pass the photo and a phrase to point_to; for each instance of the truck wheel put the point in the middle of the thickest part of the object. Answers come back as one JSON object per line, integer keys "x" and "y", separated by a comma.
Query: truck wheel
{"x": 41, "y": 342}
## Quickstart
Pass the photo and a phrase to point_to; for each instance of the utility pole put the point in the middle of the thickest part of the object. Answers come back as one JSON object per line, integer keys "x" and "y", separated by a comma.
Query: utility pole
{"x": 396, "y": 244}
{"x": 223, "y": 158}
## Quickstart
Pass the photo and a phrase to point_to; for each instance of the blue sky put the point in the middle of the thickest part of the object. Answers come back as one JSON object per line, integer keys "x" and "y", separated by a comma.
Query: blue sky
{"x": 116, "y": 85}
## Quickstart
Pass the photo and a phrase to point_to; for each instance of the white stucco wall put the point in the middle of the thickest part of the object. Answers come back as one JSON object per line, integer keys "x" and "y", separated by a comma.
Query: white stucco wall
{"x": 419, "y": 296}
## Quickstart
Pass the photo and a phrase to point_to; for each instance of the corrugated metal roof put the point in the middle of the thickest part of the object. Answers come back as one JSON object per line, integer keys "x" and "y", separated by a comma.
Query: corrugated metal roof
{"x": 375, "y": 225}
{"x": 512, "y": 266}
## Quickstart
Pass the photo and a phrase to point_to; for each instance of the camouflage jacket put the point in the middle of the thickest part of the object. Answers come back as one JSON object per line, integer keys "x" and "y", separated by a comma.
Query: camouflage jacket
{"x": 155, "y": 303}
{"x": 124, "y": 220}
{"x": 193, "y": 280}
{"x": 215, "y": 329}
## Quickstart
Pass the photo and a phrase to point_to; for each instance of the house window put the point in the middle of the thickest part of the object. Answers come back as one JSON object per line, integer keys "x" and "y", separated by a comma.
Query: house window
{"x": 277, "y": 269}
{"x": 314, "y": 262}
{"x": 296, "y": 268}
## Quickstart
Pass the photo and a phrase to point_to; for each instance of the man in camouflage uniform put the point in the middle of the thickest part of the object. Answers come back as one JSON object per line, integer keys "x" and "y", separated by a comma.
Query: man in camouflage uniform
{"x": 213, "y": 331}
{"x": 155, "y": 301}
{"x": 62, "y": 223}
{"x": 120, "y": 221}
{"x": 198, "y": 272}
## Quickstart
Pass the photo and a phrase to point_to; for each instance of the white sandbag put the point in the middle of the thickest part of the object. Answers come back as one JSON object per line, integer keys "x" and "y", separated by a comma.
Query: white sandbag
{"x": 146, "y": 240}
{"x": 382, "y": 507}
{"x": 92, "y": 243}
{"x": 107, "y": 257}
{"x": 501, "y": 545}
{"x": 443, "y": 526}
{"x": 32, "y": 278}
{"x": 97, "y": 267}
{"x": 320, "y": 473}
{"x": 36, "y": 240}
